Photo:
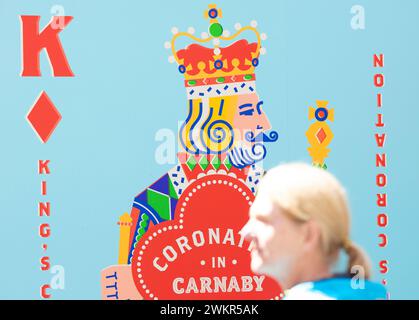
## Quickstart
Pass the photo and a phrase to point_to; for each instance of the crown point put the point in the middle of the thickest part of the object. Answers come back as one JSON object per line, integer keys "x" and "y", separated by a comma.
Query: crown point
{"x": 204, "y": 35}
{"x": 226, "y": 33}
{"x": 218, "y": 64}
{"x": 262, "y": 51}
{"x": 263, "y": 36}
{"x": 182, "y": 68}
{"x": 171, "y": 59}
{"x": 175, "y": 30}
{"x": 254, "y": 23}
{"x": 167, "y": 45}
{"x": 213, "y": 13}
{"x": 191, "y": 30}
{"x": 216, "y": 41}
{"x": 237, "y": 26}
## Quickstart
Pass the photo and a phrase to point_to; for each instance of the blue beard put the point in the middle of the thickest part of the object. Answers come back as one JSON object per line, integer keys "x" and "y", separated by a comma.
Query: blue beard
{"x": 242, "y": 156}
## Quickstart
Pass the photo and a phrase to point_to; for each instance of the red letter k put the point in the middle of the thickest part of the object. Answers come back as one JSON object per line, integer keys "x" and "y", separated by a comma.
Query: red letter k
{"x": 33, "y": 42}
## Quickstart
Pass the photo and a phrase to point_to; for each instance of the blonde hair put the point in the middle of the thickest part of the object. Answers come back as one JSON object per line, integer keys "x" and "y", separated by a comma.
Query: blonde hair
{"x": 306, "y": 192}
{"x": 209, "y": 125}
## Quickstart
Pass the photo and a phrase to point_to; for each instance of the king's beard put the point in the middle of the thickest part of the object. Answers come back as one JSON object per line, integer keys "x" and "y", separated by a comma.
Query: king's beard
{"x": 251, "y": 151}
{"x": 243, "y": 155}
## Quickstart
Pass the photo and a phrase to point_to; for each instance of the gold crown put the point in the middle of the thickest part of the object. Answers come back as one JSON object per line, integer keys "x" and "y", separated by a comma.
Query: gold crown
{"x": 202, "y": 65}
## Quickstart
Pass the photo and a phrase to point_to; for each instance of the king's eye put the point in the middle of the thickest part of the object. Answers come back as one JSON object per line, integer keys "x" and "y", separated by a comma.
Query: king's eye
{"x": 248, "y": 112}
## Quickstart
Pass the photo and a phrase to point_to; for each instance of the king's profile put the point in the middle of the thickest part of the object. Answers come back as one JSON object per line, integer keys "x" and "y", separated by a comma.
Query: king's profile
{"x": 181, "y": 239}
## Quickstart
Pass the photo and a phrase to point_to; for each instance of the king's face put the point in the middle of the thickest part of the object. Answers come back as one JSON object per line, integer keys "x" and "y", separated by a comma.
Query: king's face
{"x": 232, "y": 124}
{"x": 250, "y": 117}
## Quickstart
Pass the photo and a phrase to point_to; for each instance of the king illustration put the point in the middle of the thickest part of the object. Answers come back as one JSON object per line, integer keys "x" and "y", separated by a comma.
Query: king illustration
{"x": 182, "y": 237}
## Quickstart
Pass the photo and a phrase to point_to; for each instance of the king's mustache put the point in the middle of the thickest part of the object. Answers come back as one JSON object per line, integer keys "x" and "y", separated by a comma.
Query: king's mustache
{"x": 261, "y": 137}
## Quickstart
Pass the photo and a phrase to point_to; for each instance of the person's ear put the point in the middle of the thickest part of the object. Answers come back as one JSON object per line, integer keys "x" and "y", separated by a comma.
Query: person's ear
{"x": 312, "y": 235}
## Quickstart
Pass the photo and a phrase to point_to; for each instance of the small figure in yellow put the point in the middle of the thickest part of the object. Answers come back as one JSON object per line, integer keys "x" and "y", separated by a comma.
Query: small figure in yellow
{"x": 319, "y": 134}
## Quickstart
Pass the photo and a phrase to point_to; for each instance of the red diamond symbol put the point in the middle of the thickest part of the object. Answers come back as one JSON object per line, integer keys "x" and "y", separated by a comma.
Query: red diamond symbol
{"x": 321, "y": 135}
{"x": 44, "y": 117}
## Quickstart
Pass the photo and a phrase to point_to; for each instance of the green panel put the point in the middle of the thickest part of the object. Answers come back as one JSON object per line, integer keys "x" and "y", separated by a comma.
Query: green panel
{"x": 216, "y": 162}
{"x": 191, "y": 163}
{"x": 160, "y": 203}
{"x": 172, "y": 191}
{"x": 227, "y": 163}
{"x": 203, "y": 162}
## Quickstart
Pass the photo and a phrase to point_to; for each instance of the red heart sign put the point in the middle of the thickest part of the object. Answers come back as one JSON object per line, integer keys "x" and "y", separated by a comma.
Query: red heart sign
{"x": 200, "y": 254}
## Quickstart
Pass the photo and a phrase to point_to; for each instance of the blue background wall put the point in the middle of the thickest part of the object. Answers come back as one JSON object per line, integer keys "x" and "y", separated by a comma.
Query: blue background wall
{"x": 102, "y": 152}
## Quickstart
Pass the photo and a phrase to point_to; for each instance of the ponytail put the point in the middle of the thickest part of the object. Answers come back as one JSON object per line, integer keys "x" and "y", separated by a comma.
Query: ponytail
{"x": 357, "y": 257}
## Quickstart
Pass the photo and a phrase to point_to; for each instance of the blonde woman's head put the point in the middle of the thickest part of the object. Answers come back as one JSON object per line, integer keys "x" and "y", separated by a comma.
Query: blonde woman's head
{"x": 299, "y": 222}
